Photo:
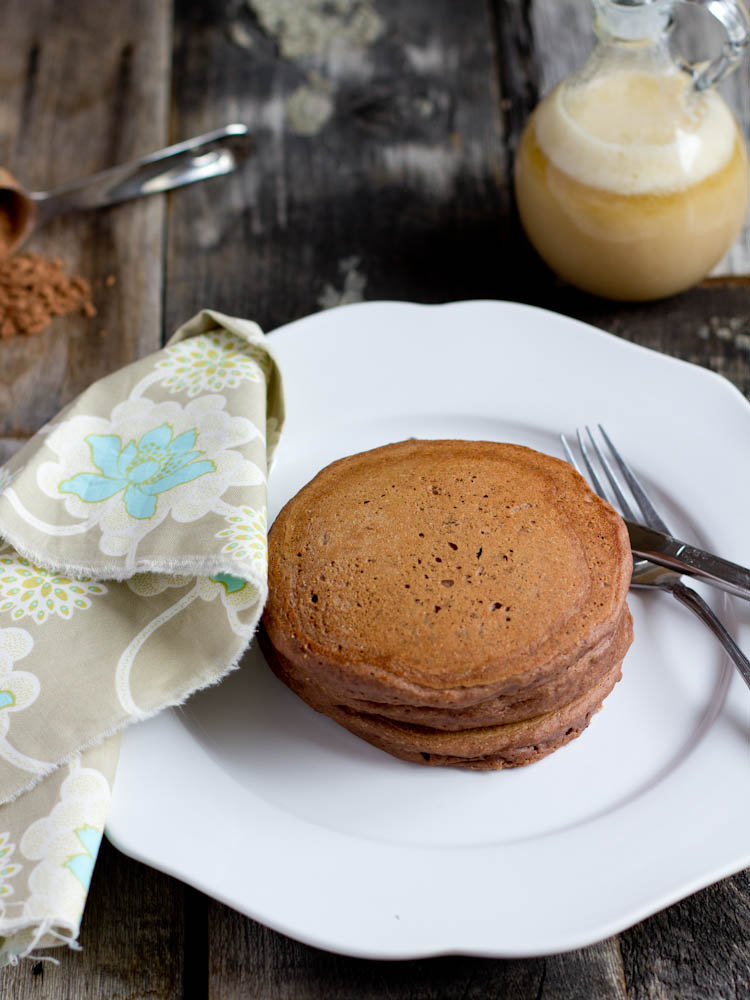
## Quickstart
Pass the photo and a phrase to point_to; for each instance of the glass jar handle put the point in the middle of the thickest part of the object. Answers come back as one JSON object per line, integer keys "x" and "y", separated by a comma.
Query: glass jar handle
{"x": 733, "y": 16}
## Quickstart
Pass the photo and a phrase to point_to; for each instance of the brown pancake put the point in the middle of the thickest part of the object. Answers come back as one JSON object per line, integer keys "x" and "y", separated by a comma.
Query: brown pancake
{"x": 484, "y": 747}
{"x": 444, "y": 573}
{"x": 571, "y": 683}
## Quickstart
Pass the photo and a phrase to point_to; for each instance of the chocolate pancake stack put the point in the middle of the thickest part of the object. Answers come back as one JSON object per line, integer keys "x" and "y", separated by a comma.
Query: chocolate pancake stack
{"x": 451, "y": 602}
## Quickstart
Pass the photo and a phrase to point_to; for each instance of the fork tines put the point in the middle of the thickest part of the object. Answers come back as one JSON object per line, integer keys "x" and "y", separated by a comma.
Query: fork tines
{"x": 594, "y": 458}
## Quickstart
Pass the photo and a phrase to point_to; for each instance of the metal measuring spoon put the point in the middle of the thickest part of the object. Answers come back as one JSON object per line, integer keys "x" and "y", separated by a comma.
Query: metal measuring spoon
{"x": 197, "y": 159}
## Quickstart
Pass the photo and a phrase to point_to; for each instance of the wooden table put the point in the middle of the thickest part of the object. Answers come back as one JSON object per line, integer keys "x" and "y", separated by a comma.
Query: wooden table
{"x": 381, "y": 170}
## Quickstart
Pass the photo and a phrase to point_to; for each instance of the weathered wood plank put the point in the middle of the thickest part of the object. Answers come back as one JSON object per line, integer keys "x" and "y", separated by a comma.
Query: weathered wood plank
{"x": 697, "y": 950}
{"x": 394, "y": 191}
{"x": 132, "y": 938}
{"x": 85, "y": 86}
{"x": 250, "y": 961}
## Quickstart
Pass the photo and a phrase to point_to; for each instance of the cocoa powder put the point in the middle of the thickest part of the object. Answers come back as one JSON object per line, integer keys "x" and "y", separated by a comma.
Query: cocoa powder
{"x": 34, "y": 289}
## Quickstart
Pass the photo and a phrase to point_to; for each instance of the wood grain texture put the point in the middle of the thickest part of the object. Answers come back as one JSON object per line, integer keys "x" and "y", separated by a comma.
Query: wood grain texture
{"x": 248, "y": 961}
{"x": 85, "y": 86}
{"x": 697, "y": 950}
{"x": 399, "y": 192}
{"x": 132, "y": 937}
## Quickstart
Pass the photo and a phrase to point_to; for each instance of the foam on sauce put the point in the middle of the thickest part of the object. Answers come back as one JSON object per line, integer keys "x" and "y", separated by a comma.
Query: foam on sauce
{"x": 636, "y": 133}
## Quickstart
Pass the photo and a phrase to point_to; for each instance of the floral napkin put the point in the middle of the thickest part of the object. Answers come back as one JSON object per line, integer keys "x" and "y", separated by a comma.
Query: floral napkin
{"x": 132, "y": 573}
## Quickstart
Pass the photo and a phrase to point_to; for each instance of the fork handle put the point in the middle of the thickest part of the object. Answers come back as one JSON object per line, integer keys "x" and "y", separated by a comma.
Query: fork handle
{"x": 683, "y": 558}
{"x": 693, "y": 601}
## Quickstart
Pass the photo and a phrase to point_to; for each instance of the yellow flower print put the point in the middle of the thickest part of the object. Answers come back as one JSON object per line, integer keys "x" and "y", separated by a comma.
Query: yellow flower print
{"x": 31, "y": 591}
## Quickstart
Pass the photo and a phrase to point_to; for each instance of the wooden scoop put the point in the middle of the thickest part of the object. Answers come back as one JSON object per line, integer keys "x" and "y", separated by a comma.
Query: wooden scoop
{"x": 17, "y": 213}
{"x": 209, "y": 155}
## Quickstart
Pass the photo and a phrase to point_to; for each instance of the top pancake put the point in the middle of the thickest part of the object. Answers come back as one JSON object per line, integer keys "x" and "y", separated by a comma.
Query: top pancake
{"x": 438, "y": 572}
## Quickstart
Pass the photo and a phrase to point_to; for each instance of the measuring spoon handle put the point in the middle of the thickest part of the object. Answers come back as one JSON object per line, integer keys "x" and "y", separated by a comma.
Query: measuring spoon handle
{"x": 197, "y": 159}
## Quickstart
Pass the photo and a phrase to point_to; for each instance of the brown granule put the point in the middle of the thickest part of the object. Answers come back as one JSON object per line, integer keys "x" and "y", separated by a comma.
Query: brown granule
{"x": 35, "y": 289}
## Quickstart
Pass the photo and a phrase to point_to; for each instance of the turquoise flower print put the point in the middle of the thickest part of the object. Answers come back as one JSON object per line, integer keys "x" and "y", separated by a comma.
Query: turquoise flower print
{"x": 64, "y": 843}
{"x": 158, "y": 462}
{"x": 82, "y": 864}
{"x": 125, "y": 474}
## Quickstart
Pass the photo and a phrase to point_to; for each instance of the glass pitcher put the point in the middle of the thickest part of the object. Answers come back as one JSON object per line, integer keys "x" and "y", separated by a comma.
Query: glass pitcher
{"x": 631, "y": 175}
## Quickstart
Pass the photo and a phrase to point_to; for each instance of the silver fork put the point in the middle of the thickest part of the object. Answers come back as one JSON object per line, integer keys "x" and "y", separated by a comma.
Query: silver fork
{"x": 645, "y": 573}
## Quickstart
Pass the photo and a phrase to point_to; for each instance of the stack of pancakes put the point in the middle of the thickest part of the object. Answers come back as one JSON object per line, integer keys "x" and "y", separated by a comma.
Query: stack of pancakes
{"x": 451, "y": 602}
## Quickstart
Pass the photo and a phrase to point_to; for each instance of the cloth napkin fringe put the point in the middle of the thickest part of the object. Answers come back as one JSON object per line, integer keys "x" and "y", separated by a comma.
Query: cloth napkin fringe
{"x": 43, "y": 931}
{"x": 192, "y": 566}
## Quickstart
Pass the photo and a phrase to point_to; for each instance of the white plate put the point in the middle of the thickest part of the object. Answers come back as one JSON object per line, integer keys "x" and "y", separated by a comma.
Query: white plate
{"x": 252, "y": 797}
